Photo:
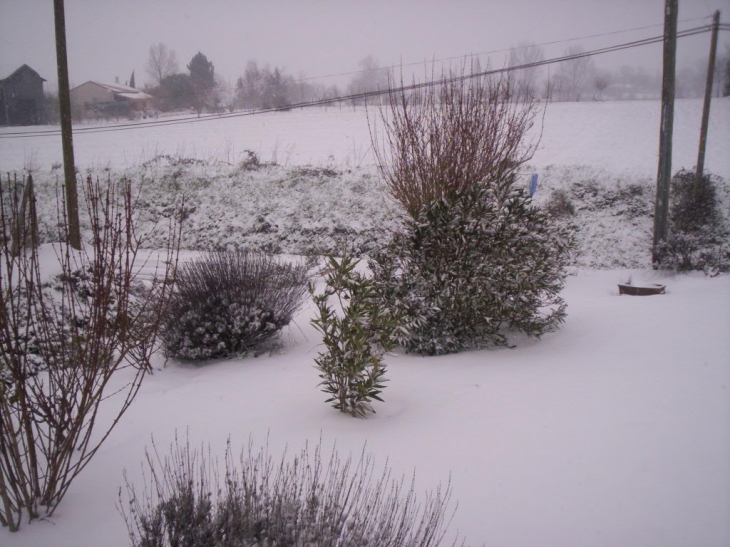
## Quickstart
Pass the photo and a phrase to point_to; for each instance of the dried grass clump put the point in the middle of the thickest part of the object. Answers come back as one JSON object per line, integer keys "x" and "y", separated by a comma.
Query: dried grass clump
{"x": 303, "y": 501}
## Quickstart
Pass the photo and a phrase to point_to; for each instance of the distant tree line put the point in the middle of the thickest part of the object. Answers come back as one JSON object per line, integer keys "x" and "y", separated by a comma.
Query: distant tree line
{"x": 578, "y": 78}
{"x": 262, "y": 87}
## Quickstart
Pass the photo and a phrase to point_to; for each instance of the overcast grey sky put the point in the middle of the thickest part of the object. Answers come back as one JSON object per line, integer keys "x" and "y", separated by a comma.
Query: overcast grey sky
{"x": 111, "y": 38}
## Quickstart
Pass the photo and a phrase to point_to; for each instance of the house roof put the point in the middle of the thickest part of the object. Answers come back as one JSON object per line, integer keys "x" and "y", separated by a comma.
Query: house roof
{"x": 20, "y": 69}
{"x": 135, "y": 96}
{"x": 120, "y": 90}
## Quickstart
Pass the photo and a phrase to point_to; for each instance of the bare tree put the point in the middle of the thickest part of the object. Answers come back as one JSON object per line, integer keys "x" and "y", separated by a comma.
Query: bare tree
{"x": 574, "y": 75}
{"x": 162, "y": 63}
{"x": 371, "y": 77}
{"x": 225, "y": 96}
{"x": 526, "y": 54}
{"x": 600, "y": 83}
{"x": 249, "y": 87}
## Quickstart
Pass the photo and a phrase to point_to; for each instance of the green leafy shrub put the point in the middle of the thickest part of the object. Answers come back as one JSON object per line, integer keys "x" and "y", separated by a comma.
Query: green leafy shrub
{"x": 463, "y": 272}
{"x": 698, "y": 231}
{"x": 352, "y": 368}
{"x": 296, "y": 502}
{"x": 228, "y": 303}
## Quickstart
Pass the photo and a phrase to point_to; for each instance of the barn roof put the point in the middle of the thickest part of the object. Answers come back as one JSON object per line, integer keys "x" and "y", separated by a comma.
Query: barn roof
{"x": 20, "y": 69}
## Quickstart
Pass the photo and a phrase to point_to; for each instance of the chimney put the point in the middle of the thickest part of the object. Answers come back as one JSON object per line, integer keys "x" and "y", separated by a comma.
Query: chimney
{"x": 116, "y": 79}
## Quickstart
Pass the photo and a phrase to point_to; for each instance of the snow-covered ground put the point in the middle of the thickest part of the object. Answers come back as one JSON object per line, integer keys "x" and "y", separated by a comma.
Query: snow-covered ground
{"x": 620, "y": 136}
{"x": 339, "y": 199}
{"x": 614, "y": 430}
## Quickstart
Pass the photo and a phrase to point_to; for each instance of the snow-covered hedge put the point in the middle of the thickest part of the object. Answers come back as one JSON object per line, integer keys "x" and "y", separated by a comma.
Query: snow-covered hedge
{"x": 320, "y": 210}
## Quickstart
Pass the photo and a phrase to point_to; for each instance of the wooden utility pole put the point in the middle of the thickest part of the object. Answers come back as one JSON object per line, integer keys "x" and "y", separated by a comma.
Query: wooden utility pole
{"x": 661, "y": 208}
{"x": 708, "y": 98}
{"x": 64, "y": 98}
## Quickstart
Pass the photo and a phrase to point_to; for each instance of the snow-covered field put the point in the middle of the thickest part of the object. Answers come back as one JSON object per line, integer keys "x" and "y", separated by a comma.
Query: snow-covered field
{"x": 622, "y": 137}
{"x": 614, "y": 430}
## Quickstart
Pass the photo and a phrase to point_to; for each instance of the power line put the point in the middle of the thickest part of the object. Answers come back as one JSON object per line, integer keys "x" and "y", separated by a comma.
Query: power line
{"x": 367, "y": 94}
{"x": 503, "y": 50}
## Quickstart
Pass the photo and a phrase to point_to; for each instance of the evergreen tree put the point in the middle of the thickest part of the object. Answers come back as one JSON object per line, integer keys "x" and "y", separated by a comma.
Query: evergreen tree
{"x": 131, "y": 81}
{"x": 277, "y": 90}
{"x": 202, "y": 78}
{"x": 175, "y": 92}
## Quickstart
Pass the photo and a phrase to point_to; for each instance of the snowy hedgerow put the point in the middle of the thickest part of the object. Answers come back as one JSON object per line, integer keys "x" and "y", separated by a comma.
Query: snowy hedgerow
{"x": 698, "y": 231}
{"x": 304, "y": 501}
{"x": 464, "y": 271}
{"x": 356, "y": 339}
{"x": 228, "y": 303}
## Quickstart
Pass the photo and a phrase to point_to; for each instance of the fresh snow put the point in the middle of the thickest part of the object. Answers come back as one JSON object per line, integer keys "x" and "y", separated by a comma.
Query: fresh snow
{"x": 621, "y": 136}
{"x": 614, "y": 430}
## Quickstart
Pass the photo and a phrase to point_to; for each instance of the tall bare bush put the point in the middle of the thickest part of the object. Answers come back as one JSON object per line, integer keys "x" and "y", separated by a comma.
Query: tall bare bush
{"x": 64, "y": 341}
{"x": 442, "y": 141}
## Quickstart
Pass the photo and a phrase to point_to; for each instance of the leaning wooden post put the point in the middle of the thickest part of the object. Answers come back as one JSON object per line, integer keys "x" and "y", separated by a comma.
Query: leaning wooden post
{"x": 708, "y": 99}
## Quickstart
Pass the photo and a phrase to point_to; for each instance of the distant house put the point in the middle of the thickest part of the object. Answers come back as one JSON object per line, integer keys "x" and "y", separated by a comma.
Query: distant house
{"x": 21, "y": 98}
{"x": 95, "y": 99}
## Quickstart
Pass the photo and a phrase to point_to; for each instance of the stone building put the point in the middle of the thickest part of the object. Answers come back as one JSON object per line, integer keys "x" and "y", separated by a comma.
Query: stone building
{"x": 95, "y": 99}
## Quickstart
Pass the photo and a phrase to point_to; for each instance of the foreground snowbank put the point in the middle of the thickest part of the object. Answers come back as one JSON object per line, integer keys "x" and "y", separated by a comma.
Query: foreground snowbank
{"x": 614, "y": 430}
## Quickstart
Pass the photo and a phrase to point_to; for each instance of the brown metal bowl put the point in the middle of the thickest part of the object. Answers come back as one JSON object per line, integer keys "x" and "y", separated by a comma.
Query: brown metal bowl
{"x": 634, "y": 290}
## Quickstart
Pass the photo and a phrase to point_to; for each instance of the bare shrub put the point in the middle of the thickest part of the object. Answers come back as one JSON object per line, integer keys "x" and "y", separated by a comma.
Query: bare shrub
{"x": 228, "y": 303}
{"x": 443, "y": 141}
{"x": 63, "y": 343}
{"x": 300, "y": 501}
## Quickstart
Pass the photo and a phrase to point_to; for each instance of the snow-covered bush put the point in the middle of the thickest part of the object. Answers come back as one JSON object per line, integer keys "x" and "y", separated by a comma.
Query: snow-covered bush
{"x": 228, "y": 303}
{"x": 698, "y": 231}
{"x": 299, "y": 502}
{"x": 463, "y": 272}
{"x": 352, "y": 368}
{"x": 559, "y": 205}
{"x": 474, "y": 256}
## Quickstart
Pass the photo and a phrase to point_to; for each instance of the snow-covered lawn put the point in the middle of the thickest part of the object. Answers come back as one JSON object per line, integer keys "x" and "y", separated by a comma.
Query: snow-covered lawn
{"x": 614, "y": 430}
